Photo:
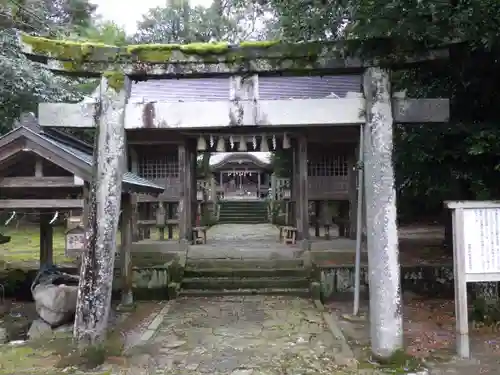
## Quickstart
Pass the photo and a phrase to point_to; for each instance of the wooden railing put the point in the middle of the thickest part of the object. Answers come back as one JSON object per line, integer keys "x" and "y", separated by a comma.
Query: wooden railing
{"x": 328, "y": 187}
{"x": 319, "y": 188}
{"x": 207, "y": 185}
{"x": 160, "y": 224}
{"x": 280, "y": 188}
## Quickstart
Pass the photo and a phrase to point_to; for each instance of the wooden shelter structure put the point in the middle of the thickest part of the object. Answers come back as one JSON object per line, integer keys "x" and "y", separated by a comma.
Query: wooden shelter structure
{"x": 241, "y": 174}
{"x": 46, "y": 172}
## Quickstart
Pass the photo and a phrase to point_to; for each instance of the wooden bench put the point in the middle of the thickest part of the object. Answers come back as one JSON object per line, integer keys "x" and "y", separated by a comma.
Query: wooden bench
{"x": 199, "y": 235}
{"x": 288, "y": 235}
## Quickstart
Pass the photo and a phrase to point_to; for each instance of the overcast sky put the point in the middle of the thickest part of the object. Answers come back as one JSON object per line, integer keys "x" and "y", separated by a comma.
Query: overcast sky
{"x": 128, "y": 15}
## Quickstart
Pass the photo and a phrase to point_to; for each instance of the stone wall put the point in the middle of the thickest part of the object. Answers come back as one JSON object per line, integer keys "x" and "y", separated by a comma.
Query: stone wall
{"x": 424, "y": 280}
{"x": 155, "y": 275}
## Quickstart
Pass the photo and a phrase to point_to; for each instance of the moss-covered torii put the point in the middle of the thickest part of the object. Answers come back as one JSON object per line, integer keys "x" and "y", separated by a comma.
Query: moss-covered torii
{"x": 376, "y": 109}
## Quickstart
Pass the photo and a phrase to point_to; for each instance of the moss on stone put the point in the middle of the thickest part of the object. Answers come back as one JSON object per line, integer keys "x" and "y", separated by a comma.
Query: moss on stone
{"x": 158, "y": 53}
{"x": 75, "y": 51}
{"x": 116, "y": 80}
{"x": 79, "y": 52}
{"x": 259, "y": 44}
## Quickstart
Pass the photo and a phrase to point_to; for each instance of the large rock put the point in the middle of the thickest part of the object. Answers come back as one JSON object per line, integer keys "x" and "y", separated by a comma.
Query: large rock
{"x": 38, "y": 329}
{"x": 3, "y": 335}
{"x": 55, "y": 304}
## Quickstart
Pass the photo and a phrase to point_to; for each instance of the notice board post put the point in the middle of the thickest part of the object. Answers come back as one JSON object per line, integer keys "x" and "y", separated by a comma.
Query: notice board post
{"x": 476, "y": 256}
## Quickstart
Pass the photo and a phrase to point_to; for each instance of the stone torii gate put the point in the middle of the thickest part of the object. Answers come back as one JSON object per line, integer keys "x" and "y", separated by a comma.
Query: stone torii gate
{"x": 376, "y": 110}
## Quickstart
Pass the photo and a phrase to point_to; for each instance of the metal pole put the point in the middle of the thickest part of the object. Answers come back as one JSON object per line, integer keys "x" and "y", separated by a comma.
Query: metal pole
{"x": 359, "y": 222}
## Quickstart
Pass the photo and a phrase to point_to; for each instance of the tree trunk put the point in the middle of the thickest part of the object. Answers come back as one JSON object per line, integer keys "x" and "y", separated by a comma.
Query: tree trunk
{"x": 96, "y": 275}
{"x": 205, "y": 164}
{"x": 382, "y": 239}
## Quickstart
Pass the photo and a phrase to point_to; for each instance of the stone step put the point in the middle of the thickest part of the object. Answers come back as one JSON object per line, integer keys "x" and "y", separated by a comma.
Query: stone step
{"x": 228, "y": 283}
{"x": 242, "y": 221}
{"x": 245, "y": 272}
{"x": 242, "y": 214}
{"x": 243, "y": 207}
{"x": 298, "y": 292}
{"x": 239, "y": 212}
{"x": 247, "y": 263}
{"x": 243, "y": 203}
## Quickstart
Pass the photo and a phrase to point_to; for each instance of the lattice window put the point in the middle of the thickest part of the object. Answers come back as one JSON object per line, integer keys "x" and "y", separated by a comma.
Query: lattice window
{"x": 328, "y": 165}
{"x": 158, "y": 166}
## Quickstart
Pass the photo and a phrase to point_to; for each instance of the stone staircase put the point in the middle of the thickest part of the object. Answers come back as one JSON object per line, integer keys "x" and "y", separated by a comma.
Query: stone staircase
{"x": 212, "y": 277}
{"x": 243, "y": 212}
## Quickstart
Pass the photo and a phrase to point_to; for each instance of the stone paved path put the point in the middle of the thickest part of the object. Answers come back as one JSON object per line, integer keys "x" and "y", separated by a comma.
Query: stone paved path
{"x": 240, "y": 241}
{"x": 251, "y": 335}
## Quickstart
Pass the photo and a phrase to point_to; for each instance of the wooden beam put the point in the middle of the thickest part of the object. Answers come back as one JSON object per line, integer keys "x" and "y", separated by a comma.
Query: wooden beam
{"x": 38, "y": 182}
{"x": 46, "y": 241}
{"x": 127, "y": 298}
{"x": 302, "y": 190}
{"x": 184, "y": 198}
{"x": 271, "y": 113}
{"x": 40, "y": 203}
{"x": 38, "y": 166}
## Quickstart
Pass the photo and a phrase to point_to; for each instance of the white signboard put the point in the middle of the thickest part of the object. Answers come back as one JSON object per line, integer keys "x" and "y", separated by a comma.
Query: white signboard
{"x": 481, "y": 231}
{"x": 476, "y": 256}
{"x": 75, "y": 242}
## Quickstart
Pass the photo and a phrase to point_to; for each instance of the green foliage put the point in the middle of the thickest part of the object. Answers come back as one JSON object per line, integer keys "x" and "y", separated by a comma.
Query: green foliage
{"x": 432, "y": 162}
{"x": 116, "y": 80}
{"x": 178, "y": 22}
{"x": 26, "y": 83}
{"x": 281, "y": 161}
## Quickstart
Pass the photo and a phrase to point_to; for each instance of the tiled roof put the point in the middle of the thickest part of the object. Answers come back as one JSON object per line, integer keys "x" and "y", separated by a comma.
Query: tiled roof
{"x": 236, "y": 156}
{"x": 130, "y": 180}
{"x": 128, "y": 177}
{"x": 270, "y": 88}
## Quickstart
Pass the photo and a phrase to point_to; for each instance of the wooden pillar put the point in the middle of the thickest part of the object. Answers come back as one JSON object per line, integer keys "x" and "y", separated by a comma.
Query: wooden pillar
{"x": 46, "y": 240}
{"x": 160, "y": 220}
{"x": 38, "y": 166}
{"x": 187, "y": 160}
{"x": 258, "y": 185}
{"x": 183, "y": 196}
{"x": 125, "y": 250}
{"x": 294, "y": 184}
{"x": 192, "y": 187}
{"x": 85, "y": 213}
{"x": 353, "y": 196}
{"x": 302, "y": 187}
{"x": 135, "y": 217}
{"x": 317, "y": 218}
